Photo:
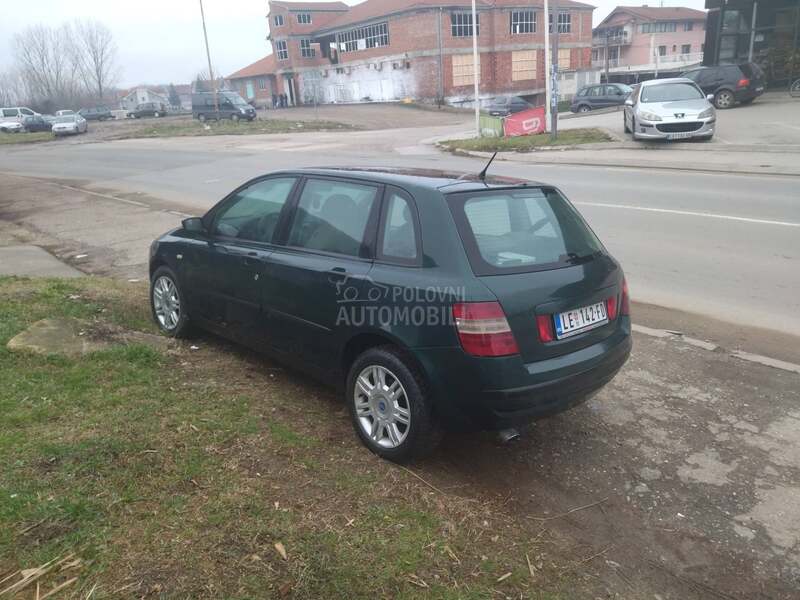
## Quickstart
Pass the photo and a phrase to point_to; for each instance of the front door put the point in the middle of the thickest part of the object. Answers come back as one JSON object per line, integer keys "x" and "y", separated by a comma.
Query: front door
{"x": 226, "y": 273}
{"x": 322, "y": 268}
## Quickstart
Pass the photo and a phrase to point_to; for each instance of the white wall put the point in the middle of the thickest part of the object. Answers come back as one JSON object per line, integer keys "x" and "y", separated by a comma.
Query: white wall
{"x": 384, "y": 84}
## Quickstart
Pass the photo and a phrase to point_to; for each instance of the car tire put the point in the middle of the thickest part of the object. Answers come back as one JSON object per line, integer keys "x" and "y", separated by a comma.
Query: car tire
{"x": 201, "y": 118}
{"x": 625, "y": 124}
{"x": 633, "y": 128}
{"x": 724, "y": 99}
{"x": 583, "y": 108}
{"x": 156, "y": 114}
{"x": 235, "y": 118}
{"x": 399, "y": 426}
{"x": 165, "y": 297}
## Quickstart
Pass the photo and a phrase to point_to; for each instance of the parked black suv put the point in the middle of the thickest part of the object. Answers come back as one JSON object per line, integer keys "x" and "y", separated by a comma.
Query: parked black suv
{"x": 502, "y": 106}
{"x": 729, "y": 84}
{"x": 434, "y": 299}
{"x": 592, "y": 97}
{"x": 149, "y": 109}
{"x": 96, "y": 113}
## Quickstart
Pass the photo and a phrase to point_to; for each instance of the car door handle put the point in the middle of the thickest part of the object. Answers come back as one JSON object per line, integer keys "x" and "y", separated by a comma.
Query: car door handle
{"x": 252, "y": 258}
{"x": 338, "y": 273}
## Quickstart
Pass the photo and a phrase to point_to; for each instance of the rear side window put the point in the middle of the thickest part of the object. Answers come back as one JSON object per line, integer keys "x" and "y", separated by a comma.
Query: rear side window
{"x": 751, "y": 70}
{"x": 399, "y": 237}
{"x": 10, "y": 112}
{"x": 332, "y": 216}
{"x": 254, "y": 212}
{"x": 506, "y": 231}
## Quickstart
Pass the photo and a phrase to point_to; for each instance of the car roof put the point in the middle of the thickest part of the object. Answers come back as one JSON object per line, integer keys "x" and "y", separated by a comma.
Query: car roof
{"x": 445, "y": 181}
{"x": 652, "y": 82}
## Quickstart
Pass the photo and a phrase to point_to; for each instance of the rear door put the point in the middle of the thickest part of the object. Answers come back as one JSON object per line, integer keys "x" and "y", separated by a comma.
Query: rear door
{"x": 533, "y": 250}
{"x": 325, "y": 255}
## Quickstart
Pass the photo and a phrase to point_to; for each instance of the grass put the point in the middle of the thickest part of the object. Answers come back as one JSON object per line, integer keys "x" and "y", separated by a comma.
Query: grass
{"x": 528, "y": 143}
{"x": 174, "y": 474}
{"x": 157, "y": 129}
{"x": 24, "y": 138}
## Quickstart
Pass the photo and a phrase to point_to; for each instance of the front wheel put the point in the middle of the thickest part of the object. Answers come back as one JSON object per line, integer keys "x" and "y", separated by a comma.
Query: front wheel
{"x": 235, "y": 118}
{"x": 168, "y": 304}
{"x": 390, "y": 407}
{"x": 584, "y": 109}
{"x": 633, "y": 128}
{"x": 625, "y": 124}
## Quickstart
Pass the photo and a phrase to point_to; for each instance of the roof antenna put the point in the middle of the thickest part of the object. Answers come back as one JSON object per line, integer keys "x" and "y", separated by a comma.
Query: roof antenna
{"x": 482, "y": 174}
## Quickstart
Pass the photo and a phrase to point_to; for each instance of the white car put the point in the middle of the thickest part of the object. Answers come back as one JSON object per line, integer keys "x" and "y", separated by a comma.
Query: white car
{"x": 64, "y": 113}
{"x": 11, "y": 127}
{"x": 669, "y": 109}
{"x": 69, "y": 125}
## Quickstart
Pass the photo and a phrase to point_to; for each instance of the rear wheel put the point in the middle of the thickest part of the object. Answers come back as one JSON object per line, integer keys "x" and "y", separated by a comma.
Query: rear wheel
{"x": 724, "y": 99}
{"x": 583, "y": 108}
{"x": 389, "y": 405}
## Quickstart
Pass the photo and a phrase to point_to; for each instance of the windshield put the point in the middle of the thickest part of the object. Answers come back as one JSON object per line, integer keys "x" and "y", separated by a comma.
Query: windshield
{"x": 235, "y": 99}
{"x": 670, "y": 92}
{"x": 626, "y": 89}
{"x": 65, "y": 119}
{"x": 522, "y": 230}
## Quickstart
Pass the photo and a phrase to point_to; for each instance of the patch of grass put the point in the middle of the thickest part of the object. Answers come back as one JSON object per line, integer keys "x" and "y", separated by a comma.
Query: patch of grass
{"x": 155, "y": 128}
{"x": 25, "y": 138}
{"x": 527, "y": 143}
{"x": 175, "y": 475}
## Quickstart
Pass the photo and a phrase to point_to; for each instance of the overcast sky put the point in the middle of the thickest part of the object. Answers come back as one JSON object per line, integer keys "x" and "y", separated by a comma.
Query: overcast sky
{"x": 162, "y": 41}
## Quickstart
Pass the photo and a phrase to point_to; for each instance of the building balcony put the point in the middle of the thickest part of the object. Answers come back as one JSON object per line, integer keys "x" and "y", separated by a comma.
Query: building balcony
{"x": 619, "y": 38}
{"x": 670, "y": 62}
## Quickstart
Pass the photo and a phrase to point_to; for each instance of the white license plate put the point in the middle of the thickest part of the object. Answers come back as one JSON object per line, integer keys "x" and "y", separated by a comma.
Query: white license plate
{"x": 759, "y": 89}
{"x": 579, "y": 320}
{"x": 679, "y": 136}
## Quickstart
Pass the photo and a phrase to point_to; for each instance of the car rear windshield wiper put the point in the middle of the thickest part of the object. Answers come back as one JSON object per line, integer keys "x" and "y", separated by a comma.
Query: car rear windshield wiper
{"x": 575, "y": 259}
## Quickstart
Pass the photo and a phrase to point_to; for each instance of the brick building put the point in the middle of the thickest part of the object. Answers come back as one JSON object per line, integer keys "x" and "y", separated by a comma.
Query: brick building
{"x": 385, "y": 50}
{"x": 639, "y": 41}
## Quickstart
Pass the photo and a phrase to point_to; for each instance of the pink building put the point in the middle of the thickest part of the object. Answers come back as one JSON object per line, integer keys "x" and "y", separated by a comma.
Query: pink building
{"x": 643, "y": 40}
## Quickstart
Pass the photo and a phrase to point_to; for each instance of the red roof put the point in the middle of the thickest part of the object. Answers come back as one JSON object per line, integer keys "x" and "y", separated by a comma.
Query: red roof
{"x": 309, "y": 5}
{"x": 658, "y": 13}
{"x": 265, "y": 66}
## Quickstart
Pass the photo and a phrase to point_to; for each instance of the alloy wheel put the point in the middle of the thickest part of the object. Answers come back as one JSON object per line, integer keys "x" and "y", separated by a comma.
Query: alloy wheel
{"x": 724, "y": 99}
{"x": 382, "y": 407}
{"x": 166, "y": 302}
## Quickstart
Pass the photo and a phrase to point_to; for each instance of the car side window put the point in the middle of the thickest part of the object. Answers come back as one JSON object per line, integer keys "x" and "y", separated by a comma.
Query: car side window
{"x": 399, "y": 234}
{"x": 596, "y": 91}
{"x": 583, "y": 92}
{"x": 332, "y": 216}
{"x": 26, "y": 111}
{"x": 254, "y": 212}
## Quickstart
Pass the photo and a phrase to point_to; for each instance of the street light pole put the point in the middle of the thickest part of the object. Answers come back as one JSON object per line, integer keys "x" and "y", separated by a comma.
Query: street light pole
{"x": 546, "y": 67}
{"x": 208, "y": 56}
{"x": 554, "y": 85}
{"x": 475, "y": 68}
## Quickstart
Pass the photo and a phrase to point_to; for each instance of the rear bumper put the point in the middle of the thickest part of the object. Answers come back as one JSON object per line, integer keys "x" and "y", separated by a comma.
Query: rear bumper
{"x": 493, "y": 393}
{"x": 745, "y": 94}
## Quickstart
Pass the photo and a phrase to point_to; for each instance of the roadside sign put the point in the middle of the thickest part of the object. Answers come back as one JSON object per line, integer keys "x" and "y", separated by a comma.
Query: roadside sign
{"x": 527, "y": 122}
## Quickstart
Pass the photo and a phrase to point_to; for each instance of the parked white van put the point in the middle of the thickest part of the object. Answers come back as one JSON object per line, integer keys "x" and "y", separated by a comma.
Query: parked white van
{"x": 17, "y": 113}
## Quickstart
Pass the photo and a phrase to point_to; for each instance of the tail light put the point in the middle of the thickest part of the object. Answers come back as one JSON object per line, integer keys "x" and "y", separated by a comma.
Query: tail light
{"x": 743, "y": 82}
{"x": 483, "y": 329}
{"x": 625, "y": 304}
{"x": 611, "y": 308}
{"x": 544, "y": 323}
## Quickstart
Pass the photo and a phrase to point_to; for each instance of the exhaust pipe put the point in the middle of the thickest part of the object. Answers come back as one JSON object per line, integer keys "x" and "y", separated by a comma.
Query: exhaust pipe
{"x": 508, "y": 435}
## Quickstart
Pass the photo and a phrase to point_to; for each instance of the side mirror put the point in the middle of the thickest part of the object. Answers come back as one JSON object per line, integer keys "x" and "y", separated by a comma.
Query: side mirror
{"x": 710, "y": 97}
{"x": 194, "y": 225}
{"x": 629, "y": 101}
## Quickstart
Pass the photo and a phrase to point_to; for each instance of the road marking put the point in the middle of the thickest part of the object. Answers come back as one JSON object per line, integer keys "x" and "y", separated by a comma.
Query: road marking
{"x": 748, "y": 356}
{"x": 690, "y": 213}
{"x": 106, "y": 196}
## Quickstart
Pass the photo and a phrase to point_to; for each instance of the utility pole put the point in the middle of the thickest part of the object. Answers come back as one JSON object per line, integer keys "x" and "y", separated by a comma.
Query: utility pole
{"x": 607, "y": 34}
{"x": 208, "y": 56}
{"x": 546, "y": 66}
{"x": 554, "y": 85}
{"x": 475, "y": 68}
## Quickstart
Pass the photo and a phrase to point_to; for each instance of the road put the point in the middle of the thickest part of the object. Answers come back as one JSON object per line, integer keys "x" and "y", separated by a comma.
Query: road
{"x": 722, "y": 245}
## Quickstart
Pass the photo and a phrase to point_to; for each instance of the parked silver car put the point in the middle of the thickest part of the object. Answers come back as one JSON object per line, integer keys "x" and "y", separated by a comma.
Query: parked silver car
{"x": 669, "y": 109}
{"x": 69, "y": 124}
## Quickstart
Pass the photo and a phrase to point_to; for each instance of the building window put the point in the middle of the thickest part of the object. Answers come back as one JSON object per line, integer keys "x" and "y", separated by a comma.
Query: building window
{"x": 688, "y": 26}
{"x": 523, "y": 21}
{"x": 361, "y": 38}
{"x": 262, "y": 83}
{"x": 278, "y": 20}
{"x": 283, "y": 51}
{"x": 564, "y": 22}
{"x": 523, "y": 65}
{"x": 564, "y": 56}
{"x": 674, "y": 48}
{"x": 662, "y": 27}
{"x": 461, "y": 24}
{"x": 304, "y": 18}
{"x": 463, "y": 69}
{"x": 686, "y": 49}
{"x": 662, "y": 50}
{"x": 306, "y": 50}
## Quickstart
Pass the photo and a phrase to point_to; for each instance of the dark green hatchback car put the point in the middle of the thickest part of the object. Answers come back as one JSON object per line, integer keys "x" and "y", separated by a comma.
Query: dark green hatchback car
{"x": 434, "y": 300}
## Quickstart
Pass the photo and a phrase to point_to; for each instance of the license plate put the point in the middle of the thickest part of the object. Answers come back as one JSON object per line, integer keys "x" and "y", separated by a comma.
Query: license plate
{"x": 679, "y": 136}
{"x": 579, "y": 320}
{"x": 759, "y": 89}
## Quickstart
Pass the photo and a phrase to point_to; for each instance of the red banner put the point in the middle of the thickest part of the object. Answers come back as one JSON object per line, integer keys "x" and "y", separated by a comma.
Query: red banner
{"x": 527, "y": 122}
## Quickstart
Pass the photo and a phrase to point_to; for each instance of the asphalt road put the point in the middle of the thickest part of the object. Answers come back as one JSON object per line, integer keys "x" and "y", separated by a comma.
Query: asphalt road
{"x": 722, "y": 245}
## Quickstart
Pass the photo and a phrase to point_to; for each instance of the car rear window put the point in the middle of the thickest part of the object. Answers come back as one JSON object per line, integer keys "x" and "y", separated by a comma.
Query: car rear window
{"x": 521, "y": 230}
{"x": 751, "y": 70}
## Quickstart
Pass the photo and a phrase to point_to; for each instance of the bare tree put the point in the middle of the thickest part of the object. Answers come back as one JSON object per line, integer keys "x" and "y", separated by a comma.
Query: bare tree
{"x": 43, "y": 61}
{"x": 11, "y": 89}
{"x": 94, "y": 52}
